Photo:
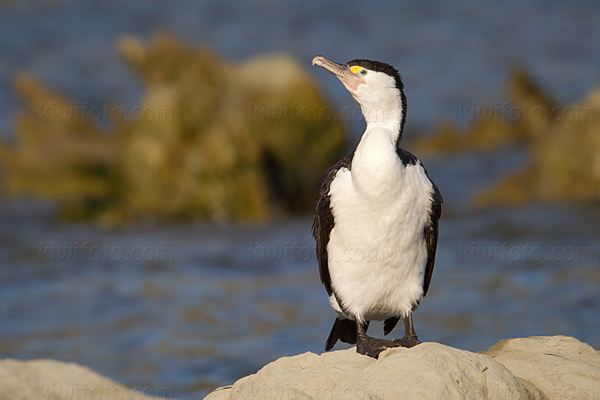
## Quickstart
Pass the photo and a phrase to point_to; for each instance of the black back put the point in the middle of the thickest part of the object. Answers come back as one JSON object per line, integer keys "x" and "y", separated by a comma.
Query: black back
{"x": 407, "y": 157}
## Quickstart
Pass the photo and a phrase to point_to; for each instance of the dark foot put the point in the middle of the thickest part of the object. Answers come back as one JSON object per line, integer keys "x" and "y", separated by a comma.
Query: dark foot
{"x": 410, "y": 341}
{"x": 372, "y": 347}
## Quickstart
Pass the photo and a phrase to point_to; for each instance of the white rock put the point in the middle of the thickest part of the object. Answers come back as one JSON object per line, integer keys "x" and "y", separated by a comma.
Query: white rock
{"x": 538, "y": 368}
{"x": 561, "y": 367}
{"x": 427, "y": 371}
{"x": 56, "y": 380}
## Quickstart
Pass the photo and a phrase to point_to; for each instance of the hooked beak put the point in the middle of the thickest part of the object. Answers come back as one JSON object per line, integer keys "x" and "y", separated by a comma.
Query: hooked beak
{"x": 351, "y": 80}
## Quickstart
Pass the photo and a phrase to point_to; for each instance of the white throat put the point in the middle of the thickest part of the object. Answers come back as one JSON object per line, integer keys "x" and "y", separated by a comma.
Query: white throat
{"x": 383, "y": 108}
{"x": 375, "y": 165}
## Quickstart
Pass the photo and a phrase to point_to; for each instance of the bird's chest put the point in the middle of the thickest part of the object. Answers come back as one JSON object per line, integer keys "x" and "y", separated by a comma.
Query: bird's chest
{"x": 380, "y": 199}
{"x": 391, "y": 214}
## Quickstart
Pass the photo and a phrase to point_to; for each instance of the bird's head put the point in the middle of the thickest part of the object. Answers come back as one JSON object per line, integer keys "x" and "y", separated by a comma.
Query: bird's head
{"x": 375, "y": 85}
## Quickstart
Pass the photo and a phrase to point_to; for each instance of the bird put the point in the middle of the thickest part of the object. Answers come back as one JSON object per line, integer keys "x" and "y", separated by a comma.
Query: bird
{"x": 376, "y": 217}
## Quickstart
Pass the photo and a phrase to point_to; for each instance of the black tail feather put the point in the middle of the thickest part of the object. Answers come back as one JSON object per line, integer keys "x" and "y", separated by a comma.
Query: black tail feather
{"x": 390, "y": 324}
{"x": 344, "y": 330}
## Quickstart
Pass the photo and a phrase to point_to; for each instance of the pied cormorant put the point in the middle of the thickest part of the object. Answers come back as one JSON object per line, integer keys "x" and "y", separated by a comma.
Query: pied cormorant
{"x": 376, "y": 217}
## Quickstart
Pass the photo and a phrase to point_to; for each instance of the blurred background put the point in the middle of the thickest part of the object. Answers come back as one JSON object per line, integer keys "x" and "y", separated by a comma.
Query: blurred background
{"x": 160, "y": 159}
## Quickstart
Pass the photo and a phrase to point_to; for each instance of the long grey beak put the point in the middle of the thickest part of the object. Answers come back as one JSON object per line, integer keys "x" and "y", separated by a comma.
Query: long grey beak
{"x": 351, "y": 80}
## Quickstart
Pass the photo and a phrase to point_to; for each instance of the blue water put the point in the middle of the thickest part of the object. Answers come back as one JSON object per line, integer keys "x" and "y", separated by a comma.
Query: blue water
{"x": 183, "y": 308}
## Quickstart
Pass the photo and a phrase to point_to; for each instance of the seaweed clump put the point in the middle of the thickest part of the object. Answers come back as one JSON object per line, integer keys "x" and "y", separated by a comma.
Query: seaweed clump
{"x": 210, "y": 140}
{"x": 562, "y": 143}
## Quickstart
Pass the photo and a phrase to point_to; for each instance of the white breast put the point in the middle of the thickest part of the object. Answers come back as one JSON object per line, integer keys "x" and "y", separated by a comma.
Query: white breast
{"x": 377, "y": 252}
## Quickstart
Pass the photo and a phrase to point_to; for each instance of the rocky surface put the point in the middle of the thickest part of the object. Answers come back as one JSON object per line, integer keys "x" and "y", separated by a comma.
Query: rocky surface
{"x": 556, "y": 367}
{"x": 535, "y": 368}
{"x": 560, "y": 367}
{"x": 55, "y": 380}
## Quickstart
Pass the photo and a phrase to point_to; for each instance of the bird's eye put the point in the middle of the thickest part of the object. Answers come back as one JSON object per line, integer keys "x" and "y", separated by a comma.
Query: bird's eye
{"x": 363, "y": 72}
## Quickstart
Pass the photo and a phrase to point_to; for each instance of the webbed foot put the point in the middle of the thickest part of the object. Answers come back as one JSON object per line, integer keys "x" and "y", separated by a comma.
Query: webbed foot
{"x": 372, "y": 347}
{"x": 409, "y": 341}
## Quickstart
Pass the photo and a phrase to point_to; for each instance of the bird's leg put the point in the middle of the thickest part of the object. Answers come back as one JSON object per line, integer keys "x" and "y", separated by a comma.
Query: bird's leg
{"x": 410, "y": 338}
{"x": 371, "y": 346}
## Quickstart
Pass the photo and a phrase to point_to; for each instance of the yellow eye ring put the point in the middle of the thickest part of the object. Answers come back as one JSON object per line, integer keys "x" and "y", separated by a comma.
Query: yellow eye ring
{"x": 358, "y": 70}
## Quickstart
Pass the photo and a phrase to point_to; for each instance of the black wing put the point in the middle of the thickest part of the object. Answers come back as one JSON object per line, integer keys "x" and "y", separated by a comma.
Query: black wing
{"x": 431, "y": 232}
{"x": 323, "y": 219}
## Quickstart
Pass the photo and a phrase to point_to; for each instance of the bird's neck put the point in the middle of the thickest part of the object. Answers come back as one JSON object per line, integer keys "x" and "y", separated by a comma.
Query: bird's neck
{"x": 375, "y": 162}
{"x": 387, "y": 111}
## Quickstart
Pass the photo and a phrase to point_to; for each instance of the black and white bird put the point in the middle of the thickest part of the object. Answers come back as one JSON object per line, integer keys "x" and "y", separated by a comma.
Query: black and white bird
{"x": 376, "y": 217}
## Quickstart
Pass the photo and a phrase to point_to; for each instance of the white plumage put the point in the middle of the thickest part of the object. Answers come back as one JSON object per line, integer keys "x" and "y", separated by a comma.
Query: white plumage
{"x": 376, "y": 216}
{"x": 377, "y": 251}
